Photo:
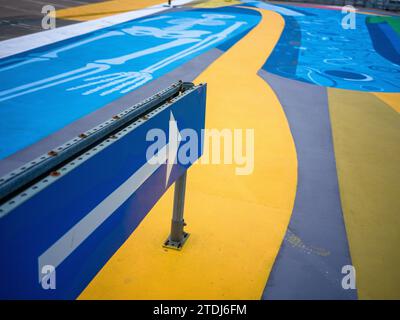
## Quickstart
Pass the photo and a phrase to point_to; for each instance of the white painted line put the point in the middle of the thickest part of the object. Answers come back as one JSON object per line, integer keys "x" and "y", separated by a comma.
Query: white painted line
{"x": 31, "y": 41}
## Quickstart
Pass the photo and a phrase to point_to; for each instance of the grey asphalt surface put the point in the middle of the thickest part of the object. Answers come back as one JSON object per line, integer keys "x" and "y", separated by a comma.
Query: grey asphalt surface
{"x": 21, "y": 17}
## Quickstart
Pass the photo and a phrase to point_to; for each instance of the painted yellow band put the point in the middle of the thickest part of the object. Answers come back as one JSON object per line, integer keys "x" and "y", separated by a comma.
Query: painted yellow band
{"x": 366, "y": 135}
{"x": 391, "y": 99}
{"x": 103, "y": 9}
{"x": 237, "y": 223}
{"x": 214, "y": 3}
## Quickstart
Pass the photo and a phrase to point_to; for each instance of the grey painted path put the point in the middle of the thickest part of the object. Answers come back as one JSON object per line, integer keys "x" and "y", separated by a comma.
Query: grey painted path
{"x": 21, "y": 17}
{"x": 315, "y": 247}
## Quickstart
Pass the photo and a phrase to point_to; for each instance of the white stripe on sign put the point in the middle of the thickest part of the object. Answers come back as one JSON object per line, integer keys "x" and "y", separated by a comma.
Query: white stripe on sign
{"x": 60, "y": 250}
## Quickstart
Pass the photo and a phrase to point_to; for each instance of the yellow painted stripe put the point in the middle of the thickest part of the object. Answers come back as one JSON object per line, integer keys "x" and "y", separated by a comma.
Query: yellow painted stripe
{"x": 237, "y": 223}
{"x": 103, "y": 9}
{"x": 391, "y": 99}
{"x": 214, "y": 3}
{"x": 366, "y": 135}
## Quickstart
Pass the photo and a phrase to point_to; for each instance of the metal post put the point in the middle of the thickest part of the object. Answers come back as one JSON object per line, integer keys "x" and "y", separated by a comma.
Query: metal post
{"x": 178, "y": 236}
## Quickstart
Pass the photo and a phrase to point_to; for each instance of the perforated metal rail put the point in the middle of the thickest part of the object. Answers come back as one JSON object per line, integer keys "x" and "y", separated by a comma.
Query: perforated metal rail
{"x": 29, "y": 173}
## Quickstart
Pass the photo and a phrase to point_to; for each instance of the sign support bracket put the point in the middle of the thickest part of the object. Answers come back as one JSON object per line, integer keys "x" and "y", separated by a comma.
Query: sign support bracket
{"x": 178, "y": 236}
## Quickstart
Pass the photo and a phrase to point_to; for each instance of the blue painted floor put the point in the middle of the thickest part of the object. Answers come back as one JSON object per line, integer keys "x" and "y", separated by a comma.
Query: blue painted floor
{"x": 46, "y": 89}
{"x": 316, "y": 49}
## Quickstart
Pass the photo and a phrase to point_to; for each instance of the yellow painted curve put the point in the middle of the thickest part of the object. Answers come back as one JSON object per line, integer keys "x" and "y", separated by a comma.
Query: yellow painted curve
{"x": 214, "y": 3}
{"x": 237, "y": 223}
{"x": 366, "y": 135}
{"x": 103, "y": 9}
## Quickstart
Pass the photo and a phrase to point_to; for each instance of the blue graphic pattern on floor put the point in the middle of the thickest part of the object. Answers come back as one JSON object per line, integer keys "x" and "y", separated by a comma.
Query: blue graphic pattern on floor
{"x": 44, "y": 90}
{"x": 316, "y": 49}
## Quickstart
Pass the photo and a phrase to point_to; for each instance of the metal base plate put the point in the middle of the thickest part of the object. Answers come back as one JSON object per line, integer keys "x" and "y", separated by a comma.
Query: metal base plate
{"x": 176, "y": 245}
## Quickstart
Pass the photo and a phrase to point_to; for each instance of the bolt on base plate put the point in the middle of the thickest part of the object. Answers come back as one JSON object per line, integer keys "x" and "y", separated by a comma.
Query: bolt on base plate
{"x": 176, "y": 245}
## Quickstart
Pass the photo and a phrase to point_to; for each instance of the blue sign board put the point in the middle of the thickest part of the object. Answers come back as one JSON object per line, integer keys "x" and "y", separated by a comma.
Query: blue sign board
{"x": 69, "y": 224}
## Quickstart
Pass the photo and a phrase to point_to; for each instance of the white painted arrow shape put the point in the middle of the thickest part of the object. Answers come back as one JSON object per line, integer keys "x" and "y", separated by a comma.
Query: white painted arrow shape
{"x": 174, "y": 140}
